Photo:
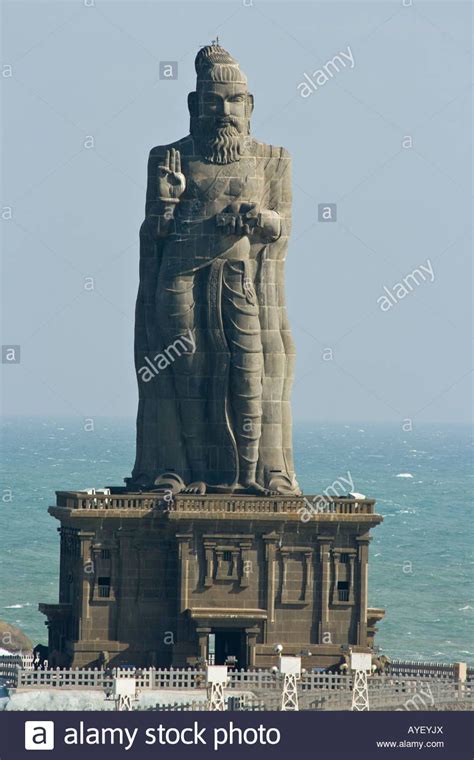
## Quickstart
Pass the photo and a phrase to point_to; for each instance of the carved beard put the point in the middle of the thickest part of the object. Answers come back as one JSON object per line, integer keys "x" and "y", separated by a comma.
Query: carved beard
{"x": 223, "y": 145}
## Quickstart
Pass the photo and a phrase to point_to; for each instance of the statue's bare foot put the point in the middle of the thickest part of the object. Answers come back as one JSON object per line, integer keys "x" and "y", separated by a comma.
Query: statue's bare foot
{"x": 281, "y": 485}
{"x": 169, "y": 482}
{"x": 252, "y": 488}
{"x": 198, "y": 487}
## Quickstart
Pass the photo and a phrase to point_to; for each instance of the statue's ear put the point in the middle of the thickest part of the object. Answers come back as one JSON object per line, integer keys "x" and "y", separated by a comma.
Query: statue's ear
{"x": 193, "y": 104}
{"x": 250, "y": 103}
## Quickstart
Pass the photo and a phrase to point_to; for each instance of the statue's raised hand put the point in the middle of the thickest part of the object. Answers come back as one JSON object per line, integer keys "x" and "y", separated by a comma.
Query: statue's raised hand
{"x": 171, "y": 181}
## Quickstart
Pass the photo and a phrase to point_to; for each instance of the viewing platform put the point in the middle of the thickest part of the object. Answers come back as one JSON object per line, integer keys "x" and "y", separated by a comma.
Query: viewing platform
{"x": 300, "y": 507}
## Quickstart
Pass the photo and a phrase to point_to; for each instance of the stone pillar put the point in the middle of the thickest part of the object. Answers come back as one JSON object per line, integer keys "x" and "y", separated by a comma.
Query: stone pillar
{"x": 251, "y": 636}
{"x": 325, "y": 575}
{"x": 460, "y": 671}
{"x": 235, "y": 553}
{"x": 86, "y": 538}
{"x": 352, "y": 577}
{"x": 308, "y": 581}
{"x": 246, "y": 564}
{"x": 271, "y": 540}
{"x": 219, "y": 555}
{"x": 363, "y": 566}
{"x": 336, "y": 556}
{"x": 128, "y": 556}
{"x": 460, "y": 675}
{"x": 209, "y": 563}
{"x": 202, "y": 636}
{"x": 116, "y": 582}
{"x": 284, "y": 569}
{"x": 183, "y": 558}
{"x": 63, "y": 567}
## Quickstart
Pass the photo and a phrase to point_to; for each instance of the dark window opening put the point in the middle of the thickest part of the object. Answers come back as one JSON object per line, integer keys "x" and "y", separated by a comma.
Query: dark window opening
{"x": 104, "y": 587}
{"x": 343, "y": 591}
{"x": 105, "y": 553}
{"x": 227, "y": 556}
{"x": 345, "y": 558}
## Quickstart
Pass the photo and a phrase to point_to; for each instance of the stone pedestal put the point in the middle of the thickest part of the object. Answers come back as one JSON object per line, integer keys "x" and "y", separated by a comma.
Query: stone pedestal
{"x": 147, "y": 582}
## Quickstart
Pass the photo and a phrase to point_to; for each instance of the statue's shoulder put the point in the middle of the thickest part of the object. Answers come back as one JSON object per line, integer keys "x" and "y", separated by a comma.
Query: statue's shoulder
{"x": 264, "y": 150}
{"x": 184, "y": 145}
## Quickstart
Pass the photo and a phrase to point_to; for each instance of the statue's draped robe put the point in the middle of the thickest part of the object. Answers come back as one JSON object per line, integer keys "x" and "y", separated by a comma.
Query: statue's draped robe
{"x": 192, "y": 245}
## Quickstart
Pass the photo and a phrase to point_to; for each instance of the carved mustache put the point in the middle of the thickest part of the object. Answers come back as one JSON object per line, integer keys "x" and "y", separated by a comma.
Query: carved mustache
{"x": 220, "y": 122}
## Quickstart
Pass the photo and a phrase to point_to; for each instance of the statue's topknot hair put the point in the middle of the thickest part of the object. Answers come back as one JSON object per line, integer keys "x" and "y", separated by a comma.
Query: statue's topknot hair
{"x": 213, "y": 54}
{"x": 214, "y": 64}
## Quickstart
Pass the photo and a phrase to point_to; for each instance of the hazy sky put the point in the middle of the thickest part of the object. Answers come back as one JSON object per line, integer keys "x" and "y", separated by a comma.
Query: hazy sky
{"x": 386, "y": 137}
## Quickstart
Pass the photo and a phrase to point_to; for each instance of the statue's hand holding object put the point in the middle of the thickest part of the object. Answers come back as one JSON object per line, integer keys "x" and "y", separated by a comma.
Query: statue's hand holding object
{"x": 241, "y": 219}
{"x": 247, "y": 219}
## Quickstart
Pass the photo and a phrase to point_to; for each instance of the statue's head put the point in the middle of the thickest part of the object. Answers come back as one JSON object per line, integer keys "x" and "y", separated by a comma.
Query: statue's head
{"x": 221, "y": 106}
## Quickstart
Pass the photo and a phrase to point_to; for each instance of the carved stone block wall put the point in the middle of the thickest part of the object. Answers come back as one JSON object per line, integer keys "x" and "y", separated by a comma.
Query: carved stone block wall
{"x": 149, "y": 589}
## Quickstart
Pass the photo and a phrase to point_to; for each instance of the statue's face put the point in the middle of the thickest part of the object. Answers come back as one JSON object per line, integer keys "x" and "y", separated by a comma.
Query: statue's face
{"x": 220, "y": 114}
{"x": 222, "y": 105}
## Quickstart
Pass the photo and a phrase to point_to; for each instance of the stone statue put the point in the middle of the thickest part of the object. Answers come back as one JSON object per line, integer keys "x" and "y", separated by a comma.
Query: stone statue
{"x": 213, "y": 351}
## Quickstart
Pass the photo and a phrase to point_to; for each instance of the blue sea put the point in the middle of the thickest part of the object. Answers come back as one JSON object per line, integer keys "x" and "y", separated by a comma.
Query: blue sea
{"x": 421, "y": 560}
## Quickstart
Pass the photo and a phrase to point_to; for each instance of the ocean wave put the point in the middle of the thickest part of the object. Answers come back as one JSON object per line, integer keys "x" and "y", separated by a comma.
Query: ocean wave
{"x": 466, "y": 607}
{"x": 17, "y": 606}
{"x": 404, "y": 475}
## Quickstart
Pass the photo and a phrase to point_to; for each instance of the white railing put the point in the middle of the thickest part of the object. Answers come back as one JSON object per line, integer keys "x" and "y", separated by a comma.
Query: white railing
{"x": 166, "y": 678}
{"x": 389, "y": 693}
{"x": 258, "y": 681}
{"x": 384, "y": 693}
